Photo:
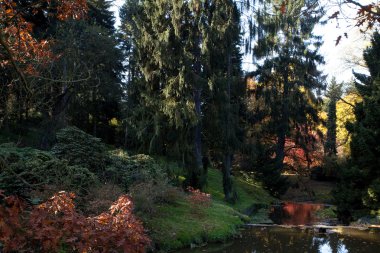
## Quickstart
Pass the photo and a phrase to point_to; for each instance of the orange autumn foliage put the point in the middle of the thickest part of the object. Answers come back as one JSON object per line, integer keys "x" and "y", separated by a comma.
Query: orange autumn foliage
{"x": 18, "y": 47}
{"x": 298, "y": 158}
{"x": 48, "y": 226}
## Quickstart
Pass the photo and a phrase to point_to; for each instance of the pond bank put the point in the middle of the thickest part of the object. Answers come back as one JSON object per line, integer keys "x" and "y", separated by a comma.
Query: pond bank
{"x": 176, "y": 225}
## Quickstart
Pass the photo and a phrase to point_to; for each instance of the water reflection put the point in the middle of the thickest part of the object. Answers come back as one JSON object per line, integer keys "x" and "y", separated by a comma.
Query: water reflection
{"x": 289, "y": 213}
{"x": 278, "y": 239}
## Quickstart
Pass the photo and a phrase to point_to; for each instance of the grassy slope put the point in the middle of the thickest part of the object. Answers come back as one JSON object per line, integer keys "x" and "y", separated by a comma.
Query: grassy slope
{"x": 177, "y": 226}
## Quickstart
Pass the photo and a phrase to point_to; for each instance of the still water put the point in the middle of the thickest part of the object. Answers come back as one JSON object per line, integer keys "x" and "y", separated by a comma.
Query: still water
{"x": 298, "y": 240}
{"x": 290, "y": 213}
{"x": 273, "y": 239}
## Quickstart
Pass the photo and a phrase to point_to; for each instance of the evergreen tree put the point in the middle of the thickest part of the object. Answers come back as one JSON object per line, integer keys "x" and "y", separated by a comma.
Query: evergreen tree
{"x": 172, "y": 44}
{"x": 334, "y": 92}
{"x": 288, "y": 59}
{"x": 223, "y": 104}
{"x": 95, "y": 59}
{"x": 100, "y": 14}
{"x": 359, "y": 185}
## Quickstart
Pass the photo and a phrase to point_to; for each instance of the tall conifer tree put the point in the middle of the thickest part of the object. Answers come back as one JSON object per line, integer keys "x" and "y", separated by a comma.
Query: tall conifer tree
{"x": 287, "y": 55}
{"x": 359, "y": 185}
{"x": 334, "y": 93}
{"x": 172, "y": 43}
{"x": 224, "y": 100}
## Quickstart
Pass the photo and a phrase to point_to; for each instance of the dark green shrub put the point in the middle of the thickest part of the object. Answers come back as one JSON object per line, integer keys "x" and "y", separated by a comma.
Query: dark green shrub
{"x": 348, "y": 192}
{"x": 80, "y": 149}
{"x": 127, "y": 170}
{"x": 25, "y": 169}
{"x": 372, "y": 197}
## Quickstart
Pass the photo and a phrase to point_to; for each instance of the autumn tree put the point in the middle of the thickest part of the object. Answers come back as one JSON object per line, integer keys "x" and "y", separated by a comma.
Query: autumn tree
{"x": 345, "y": 115}
{"x": 72, "y": 68}
{"x": 24, "y": 51}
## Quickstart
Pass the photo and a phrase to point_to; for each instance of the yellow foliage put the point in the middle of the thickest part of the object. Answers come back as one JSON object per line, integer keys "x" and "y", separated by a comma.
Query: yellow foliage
{"x": 323, "y": 116}
{"x": 114, "y": 122}
{"x": 345, "y": 114}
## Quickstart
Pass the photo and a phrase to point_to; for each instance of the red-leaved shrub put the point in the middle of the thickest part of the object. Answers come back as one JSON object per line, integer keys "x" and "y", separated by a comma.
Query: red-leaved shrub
{"x": 55, "y": 224}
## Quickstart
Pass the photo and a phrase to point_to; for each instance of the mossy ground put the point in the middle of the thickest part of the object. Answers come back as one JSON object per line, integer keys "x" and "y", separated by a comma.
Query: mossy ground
{"x": 177, "y": 226}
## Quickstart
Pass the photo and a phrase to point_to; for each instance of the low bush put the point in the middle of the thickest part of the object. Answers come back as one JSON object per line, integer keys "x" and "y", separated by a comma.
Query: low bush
{"x": 127, "y": 170}
{"x": 80, "y": 149}
{"x": 148, "y": 195}
{"x": 25, "y": 169}
{"x": 99, "y": 198}
{"x": 371, "y": 198}
{"x": 349, "y": 192}
{"x": 55, "y": 224}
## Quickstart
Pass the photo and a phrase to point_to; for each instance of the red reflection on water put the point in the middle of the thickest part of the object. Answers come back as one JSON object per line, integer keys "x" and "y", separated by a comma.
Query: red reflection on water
{"x": 296, "y": 213}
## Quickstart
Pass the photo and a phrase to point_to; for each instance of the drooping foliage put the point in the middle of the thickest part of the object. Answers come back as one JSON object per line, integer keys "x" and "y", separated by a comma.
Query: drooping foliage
{"x": 288, "y": 80}
{"x": 177, "y": 46}
{"x": 224, "y": 101}
{"x": 101, "y": 15}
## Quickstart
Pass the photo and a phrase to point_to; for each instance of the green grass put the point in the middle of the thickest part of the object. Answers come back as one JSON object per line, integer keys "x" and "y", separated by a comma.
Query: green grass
{"x": 178, "y": 226}
{"x": 250, "y": 192}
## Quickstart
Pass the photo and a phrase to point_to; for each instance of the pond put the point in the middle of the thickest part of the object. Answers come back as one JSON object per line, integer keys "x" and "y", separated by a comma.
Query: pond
{"x": 293, "y": 240}
{"x": 302, "y": 237}
{"x": 290, "y": 213}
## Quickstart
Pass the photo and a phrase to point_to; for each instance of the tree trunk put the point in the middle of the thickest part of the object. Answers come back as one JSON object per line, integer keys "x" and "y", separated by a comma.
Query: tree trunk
{"x": 198, "y": 178}
{"x": 229, "y": 194}
{"x": 283, "y": 126}
{"x": 58, "y": 115}
{"x": 198, "y": 173}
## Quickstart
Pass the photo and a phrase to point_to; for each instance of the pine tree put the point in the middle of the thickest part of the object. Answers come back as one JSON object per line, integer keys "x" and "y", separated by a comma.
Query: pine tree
{"x": 288, "y": 58}
{"x": 100, "y": 14}
{"x": 334, "y": 93}
{"x": 224, "y": 100}
{"x": 89, "y": 93}
{"x": 359, "y": 185}
{"x": 172, "y": 46}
